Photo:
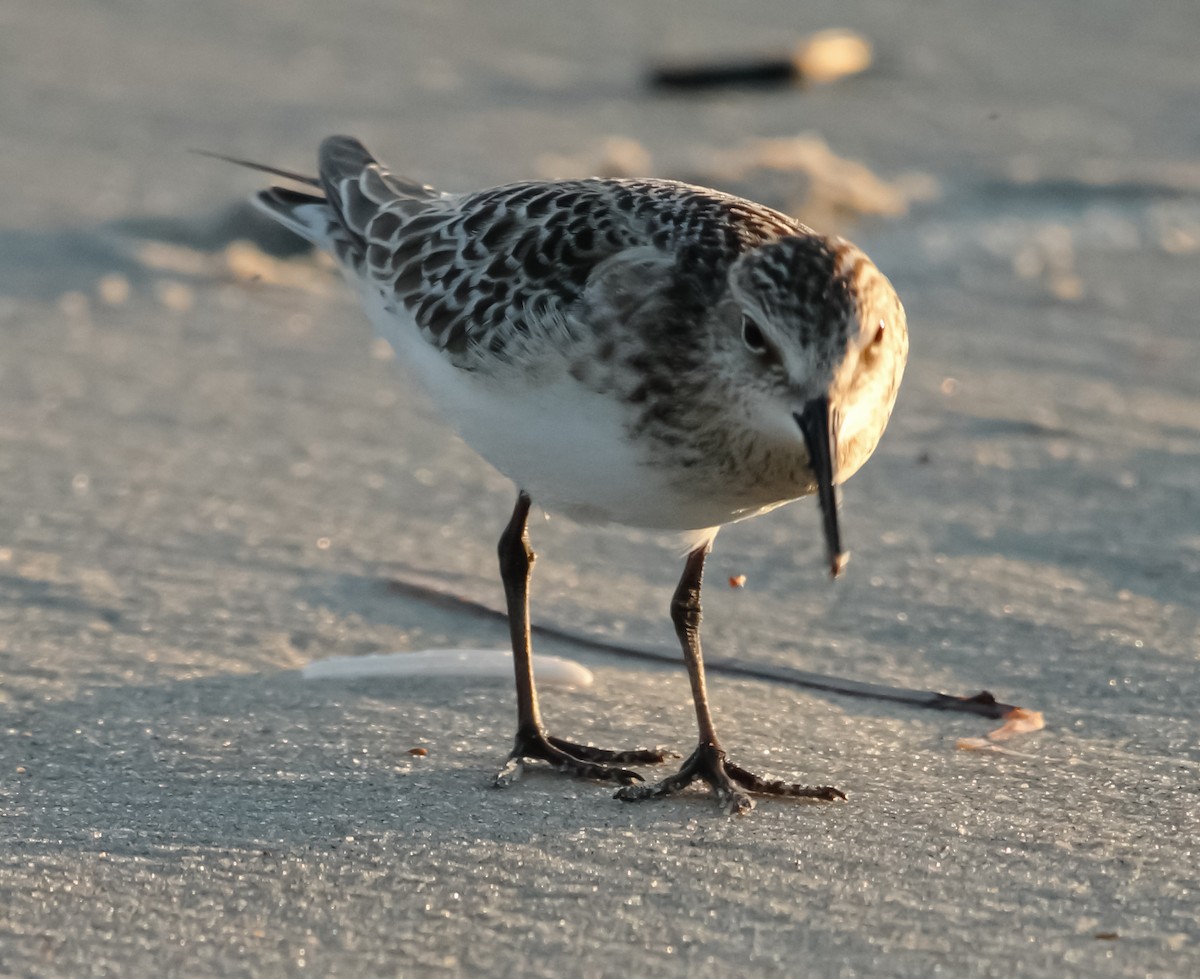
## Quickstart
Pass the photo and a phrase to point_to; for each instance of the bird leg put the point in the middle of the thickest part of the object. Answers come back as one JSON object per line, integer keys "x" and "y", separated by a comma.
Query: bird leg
{"x": 730, "y": 783}
{"x": 532, "y": 743}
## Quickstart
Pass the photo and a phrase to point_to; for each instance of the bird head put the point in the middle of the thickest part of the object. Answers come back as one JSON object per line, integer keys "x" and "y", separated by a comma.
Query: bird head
{"x": 819, "y": 340}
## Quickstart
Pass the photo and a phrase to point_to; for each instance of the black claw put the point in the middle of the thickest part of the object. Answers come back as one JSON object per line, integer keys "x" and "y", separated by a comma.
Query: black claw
{"x": 730, "y": 783}
{"x": 632, "y": 756}
{"x": 790, "y": 790}
{"x": 572, "y": 759}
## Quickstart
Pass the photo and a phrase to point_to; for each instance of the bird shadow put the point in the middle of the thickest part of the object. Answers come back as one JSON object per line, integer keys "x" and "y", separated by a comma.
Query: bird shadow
{"x": 43, "y": 264}
{"x": 270, "y": 761}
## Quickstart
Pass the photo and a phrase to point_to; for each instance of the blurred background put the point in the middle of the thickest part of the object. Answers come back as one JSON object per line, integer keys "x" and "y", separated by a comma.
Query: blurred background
{"x": 209, "y": 475}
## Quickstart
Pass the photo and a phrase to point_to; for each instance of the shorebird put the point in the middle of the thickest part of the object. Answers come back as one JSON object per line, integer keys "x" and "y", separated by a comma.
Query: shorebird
{"x": 639, "y": 352}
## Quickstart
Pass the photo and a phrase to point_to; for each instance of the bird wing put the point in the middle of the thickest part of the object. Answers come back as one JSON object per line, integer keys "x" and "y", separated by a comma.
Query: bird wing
{"x": 489, "y": 273}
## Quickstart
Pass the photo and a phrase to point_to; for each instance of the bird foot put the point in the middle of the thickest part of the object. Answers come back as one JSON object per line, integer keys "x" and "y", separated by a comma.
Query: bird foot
{"x": 730, "y": 783}
{"x": 582, "y": 760}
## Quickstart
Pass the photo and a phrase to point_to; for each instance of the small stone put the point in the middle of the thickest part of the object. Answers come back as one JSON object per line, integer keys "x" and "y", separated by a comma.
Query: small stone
{"x": 176, "y": 296}
{"x": 113, "y": 289}
{"x": 829, "y": 55}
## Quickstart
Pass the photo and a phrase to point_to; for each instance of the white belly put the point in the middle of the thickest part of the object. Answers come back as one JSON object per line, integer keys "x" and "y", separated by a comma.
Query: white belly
{"x": 563, "y": 443}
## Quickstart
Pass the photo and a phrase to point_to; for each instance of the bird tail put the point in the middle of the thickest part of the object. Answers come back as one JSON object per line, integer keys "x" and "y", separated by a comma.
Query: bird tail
{"x": 351, "y": 190}
{"x": 305, "y": 214}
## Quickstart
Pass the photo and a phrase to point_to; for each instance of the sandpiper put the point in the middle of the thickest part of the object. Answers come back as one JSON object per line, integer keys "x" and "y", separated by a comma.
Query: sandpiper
{"x": 641, "y": 352}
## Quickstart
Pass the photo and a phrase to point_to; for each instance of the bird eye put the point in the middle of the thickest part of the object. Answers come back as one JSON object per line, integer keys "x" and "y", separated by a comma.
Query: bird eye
{"x": 878, "y": 338}
{"x": 752, "y": 334}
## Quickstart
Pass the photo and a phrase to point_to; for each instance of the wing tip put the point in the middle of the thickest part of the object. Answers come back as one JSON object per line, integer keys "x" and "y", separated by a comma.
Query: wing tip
{"x": 342, "y": 156}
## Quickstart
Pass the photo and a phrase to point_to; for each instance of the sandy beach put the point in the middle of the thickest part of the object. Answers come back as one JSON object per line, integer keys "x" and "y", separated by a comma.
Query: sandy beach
{"x": 212, "y": 476}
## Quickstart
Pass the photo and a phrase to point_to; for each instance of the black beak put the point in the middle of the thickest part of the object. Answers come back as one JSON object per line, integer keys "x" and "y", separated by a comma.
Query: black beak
{"x": 818, "y": 424}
